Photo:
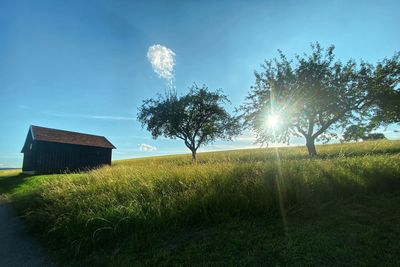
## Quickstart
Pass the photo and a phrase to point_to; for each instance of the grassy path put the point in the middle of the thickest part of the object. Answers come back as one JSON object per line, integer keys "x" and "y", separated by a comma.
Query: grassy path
{"x": 16, "y": 247}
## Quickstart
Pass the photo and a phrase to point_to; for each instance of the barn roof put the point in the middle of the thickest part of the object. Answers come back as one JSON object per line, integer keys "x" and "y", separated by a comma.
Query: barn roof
{"x": 66, "y": 137}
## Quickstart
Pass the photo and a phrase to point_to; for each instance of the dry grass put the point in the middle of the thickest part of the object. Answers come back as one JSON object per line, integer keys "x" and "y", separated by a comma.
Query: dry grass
{"x": 95, "y": 212}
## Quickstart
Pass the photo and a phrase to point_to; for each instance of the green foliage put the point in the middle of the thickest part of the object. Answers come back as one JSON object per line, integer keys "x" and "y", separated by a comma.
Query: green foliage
{"x": 385, "y": 92}
{"x": 355, "y": 133}
{"x": 161, "y": 210}
{"x": 197, "y": 118}
{"x": 375, "y": 136}
{"x": 314, "y": 95}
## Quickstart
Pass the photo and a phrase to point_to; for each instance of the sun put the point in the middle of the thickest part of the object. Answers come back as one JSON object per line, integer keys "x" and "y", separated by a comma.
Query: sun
{"x": 273, "y": 121}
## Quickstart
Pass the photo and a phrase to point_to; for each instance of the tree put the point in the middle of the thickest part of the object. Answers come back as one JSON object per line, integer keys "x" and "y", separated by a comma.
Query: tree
{"x": 310, "y": 96}
{"x": 355, "y": 132}
{"x": 386, "y": 93}
{"x": 197, "y": 118}
{"x": 375, "y": 136}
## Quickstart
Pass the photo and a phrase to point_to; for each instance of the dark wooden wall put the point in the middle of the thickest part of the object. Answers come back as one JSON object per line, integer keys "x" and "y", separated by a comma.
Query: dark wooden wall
{"x": 28, "y": 163}
{"x": 47, "y": 157}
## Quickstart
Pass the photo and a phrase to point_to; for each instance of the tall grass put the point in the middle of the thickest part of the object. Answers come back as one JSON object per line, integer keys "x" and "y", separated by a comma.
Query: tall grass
{"x": 90, "y": 211}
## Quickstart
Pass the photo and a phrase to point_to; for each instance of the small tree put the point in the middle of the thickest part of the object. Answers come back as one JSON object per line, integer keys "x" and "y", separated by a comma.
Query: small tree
{"x": 375, "y": 136}
{"x": 355, "y": 132}
{"x": 197, "y": 118}
{"x": 311, "y": 96}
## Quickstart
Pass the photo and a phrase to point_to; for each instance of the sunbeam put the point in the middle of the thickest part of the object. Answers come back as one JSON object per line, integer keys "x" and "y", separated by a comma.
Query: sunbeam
{"x": 273, "y": 121}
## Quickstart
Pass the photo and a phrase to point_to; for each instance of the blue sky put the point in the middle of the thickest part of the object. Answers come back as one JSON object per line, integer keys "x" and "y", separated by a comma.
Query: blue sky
{"x": 83, "y": 65}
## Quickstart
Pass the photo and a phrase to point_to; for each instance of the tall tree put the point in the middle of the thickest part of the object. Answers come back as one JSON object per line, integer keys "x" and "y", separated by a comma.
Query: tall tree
{"x": 310, "y": 96}
{"x": 197, "y": 118}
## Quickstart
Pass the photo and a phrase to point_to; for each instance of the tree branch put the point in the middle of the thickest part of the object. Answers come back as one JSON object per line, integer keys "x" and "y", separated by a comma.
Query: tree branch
{"x": 310, "y": 125}
{"x": 301, "y": 131}
{"x": 200, "y": 141}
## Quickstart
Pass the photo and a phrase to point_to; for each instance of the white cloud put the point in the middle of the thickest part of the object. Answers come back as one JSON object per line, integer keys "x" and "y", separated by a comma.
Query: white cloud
{"x": 146, "y": 147}
{"x": 94, "y": 117}
{"x": 244, "y": 138}
{"x": 118, "y": 118}
{"x": 162, "y": 60}
{"x": 125, "y": 137}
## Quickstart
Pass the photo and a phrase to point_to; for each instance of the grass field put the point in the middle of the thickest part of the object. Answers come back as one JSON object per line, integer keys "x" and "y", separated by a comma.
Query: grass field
{"x": 245, "y": 207}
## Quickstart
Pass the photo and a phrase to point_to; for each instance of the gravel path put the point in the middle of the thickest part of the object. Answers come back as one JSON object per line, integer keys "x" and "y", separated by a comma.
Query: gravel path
{"x": 17, "y": 248}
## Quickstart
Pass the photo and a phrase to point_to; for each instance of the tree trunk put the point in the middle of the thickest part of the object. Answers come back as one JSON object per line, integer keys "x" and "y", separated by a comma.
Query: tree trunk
{"x": 194, "y": 156}
{"x": 311, "y": 146}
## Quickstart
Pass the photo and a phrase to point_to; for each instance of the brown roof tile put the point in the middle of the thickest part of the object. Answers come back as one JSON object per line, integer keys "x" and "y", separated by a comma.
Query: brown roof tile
{"x": 67, "y": 137}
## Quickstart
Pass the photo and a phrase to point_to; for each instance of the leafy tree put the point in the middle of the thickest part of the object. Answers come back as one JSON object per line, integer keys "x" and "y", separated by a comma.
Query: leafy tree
{"x": 386, "y": 92}
{"x": 197, "y": 118}
{"x": 310, "y": 96}
{"x": 375, "y": 136}
{"x": 355, "y": 132}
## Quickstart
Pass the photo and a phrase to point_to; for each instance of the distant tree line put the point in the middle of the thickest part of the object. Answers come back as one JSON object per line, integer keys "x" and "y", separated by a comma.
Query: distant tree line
{"x": 312, "y": 96}
{"x": 358, "y": 132}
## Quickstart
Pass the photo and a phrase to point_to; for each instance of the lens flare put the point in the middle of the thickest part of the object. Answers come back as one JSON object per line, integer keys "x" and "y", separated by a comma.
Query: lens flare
{"x": 273, "y": 121}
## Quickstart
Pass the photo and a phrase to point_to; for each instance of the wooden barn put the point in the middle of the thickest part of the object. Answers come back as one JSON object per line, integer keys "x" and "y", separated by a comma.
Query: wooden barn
{"x": 55, "y": 151}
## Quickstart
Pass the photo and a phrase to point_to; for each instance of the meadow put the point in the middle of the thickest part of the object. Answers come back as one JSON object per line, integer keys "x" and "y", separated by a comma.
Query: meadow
{"x": 269, "y": 206}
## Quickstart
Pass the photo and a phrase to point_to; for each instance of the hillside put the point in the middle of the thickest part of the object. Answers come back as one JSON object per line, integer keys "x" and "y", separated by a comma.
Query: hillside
{"x": 243, "y": 207}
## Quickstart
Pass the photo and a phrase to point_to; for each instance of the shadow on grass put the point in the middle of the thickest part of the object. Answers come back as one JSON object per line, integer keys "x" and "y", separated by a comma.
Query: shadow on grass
{"x": 9, "y": 182}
